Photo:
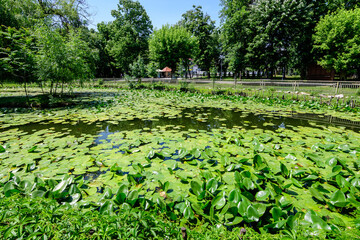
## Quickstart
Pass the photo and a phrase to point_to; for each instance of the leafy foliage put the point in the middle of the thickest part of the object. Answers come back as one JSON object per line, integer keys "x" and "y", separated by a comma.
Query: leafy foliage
{"x": 172, "y": 45}
{"x": 127, "y": 36}
{"x": 277, "y": 28}
{"x": 18, "y": 54}
{"x": 337, "y": 41}
{"x": 62, "y": 59}
{"x": 203, "y": 28}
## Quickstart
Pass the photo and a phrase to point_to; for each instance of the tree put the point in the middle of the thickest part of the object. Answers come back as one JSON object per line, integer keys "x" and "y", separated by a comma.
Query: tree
{"x": 235, "y": 33}
{"x": 18, "y": 57}
{"x": 28, "y": 13}
{"x": 65, "y": 13}
{"x": 172, "y": 45}
{"x": 127, "y": 36}
{"x": 138, "y": 69}
{"x": 277, "y": 28}
{"x": 203, "y": 28}
{"x": 337, "y": 41}
{"x": 151, "y": 70}
{"x": 61, "y": 59}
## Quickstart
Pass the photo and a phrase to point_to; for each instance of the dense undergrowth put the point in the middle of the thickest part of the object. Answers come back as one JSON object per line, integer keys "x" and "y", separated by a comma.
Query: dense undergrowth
{"x": 26, "y": 218}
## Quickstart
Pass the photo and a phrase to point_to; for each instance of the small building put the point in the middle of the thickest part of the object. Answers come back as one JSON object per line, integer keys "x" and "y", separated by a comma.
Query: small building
{"x": 165, "y": 73}
{"x": 316, "y": 72}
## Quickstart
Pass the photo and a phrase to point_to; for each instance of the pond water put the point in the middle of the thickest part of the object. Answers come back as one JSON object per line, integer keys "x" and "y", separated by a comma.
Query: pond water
{"x": 199, "y": 119}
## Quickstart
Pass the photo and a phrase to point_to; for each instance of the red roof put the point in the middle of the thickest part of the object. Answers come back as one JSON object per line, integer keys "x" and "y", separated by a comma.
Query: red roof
{"x": 167, "y": 69}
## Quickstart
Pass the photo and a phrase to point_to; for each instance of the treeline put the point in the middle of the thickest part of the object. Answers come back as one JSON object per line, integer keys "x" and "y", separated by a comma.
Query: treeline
{"x": 48, "y": 41}
{"x": 286, "y": 34}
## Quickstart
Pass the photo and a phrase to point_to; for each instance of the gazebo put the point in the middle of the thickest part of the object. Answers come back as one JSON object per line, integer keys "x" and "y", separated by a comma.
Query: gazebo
{"x": 165, "y": 73}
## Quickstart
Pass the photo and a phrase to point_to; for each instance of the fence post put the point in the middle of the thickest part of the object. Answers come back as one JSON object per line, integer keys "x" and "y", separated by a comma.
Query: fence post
{"x": 235, "y": 82}
{"x": 337, "y": 88}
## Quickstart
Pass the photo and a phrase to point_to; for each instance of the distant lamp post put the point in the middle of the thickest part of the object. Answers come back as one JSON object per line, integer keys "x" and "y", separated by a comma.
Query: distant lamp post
{"x": 222, "y": 57}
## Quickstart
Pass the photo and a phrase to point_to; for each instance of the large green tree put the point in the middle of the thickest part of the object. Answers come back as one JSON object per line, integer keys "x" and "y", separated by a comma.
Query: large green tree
{"x": 17, "y": 59}
{"x": 203, "y": 28}
{"x": 171, "y": 46}
{"x": 127, "y": 36}
{"x": 337, "y": 41}
{"x": 62, "y": 59}
{"x": 235, "y": 33}
{"x": 277, "y": 28}
{"x": 304, "y": 54}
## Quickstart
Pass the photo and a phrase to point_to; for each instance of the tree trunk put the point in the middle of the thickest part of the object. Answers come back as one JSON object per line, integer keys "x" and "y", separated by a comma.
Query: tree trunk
{"x": 283, "y": 73}
{"x": 51, "y": 87}
{"x": 26, "y": 93}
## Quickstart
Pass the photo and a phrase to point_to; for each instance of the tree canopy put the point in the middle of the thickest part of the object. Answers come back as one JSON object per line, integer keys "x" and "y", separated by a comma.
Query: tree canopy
{"x": 337, "y": 41}
{"x": 172, "y": 45}
{"x": 127, "y": 36}
{"x": 203, "y": 28}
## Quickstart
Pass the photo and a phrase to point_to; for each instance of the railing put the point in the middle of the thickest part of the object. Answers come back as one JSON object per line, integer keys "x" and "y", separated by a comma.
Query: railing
{"x": 321, "y": 88}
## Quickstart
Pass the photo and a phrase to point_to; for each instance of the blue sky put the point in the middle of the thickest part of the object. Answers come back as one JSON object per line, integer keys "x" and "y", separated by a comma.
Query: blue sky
{"x": 160, "y": 11}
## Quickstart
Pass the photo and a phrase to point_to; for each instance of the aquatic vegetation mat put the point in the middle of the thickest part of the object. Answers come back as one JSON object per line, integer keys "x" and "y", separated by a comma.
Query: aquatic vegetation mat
{"x": 201, "y": 161}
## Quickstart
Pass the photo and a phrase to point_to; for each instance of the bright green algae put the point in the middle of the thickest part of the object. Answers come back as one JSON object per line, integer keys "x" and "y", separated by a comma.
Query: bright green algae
{"x": 267, "y": 175}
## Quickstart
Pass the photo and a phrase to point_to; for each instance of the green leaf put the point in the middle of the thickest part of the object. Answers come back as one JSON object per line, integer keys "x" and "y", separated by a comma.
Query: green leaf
{"x": 38, "y": 194}
{"x": 25, "y": 185}
{"x": 316, "y": 221}
{"x": 235, "y": 196}
{"x": 344, "y": 148}
{"x": 107, "y": 193}
{"x": 338, "y": 199}
{"x": 284, "y": 170}
{"x": 332, "y": 162}
{"x": 2, "y": 149}
{"x": 123, "y": 189}
{"x": 262, "y": 195}
{"x": 212, "y": 185}
{"x": 31, "y": 150}
{"x": 10, "y": 189}
{"x": 238, "y": 177}
{"x": 284, "y": 202}
{"x": 196, "y": 188}
{"x": 341, "y": 181}
{"x": 106, "y": 208}
{"x": 249, "y": 185}
{"x": 219, "y": 201}
{"x": 161, "y": 203}
{"x": 258, "y": 162}
{"x": 316, "y": 194}
{"x": 133, "y": 195}
{"x": 115, "y": 168}
{"x": 252, "y": 214}
{"x": 188, "y": 213}
{"x": 60, "y": 187}
{"x": 236, "y": 221}
{"x": 261, "y": 208}
{"x": 243, "y": 205}
{"x": 296, "y": 183}
{"x": 120, "y": 198}
{"x": 75, "y": 198}
{"x": 276, "y": 213}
